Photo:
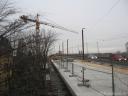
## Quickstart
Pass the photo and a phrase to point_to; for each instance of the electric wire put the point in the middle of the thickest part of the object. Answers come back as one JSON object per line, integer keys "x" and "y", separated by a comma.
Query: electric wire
{"x": 107, "y": 13}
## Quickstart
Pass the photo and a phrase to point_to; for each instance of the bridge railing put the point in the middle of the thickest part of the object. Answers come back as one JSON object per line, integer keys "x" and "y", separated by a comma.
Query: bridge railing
{"x": 97, "y": 78}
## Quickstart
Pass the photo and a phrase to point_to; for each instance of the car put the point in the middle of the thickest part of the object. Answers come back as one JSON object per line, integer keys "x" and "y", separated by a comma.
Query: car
{"x": 93, "y": 57}
{"x": 69, "y": 59}
{"x": 126, "y": 58}
{"x": 116, "y": 57}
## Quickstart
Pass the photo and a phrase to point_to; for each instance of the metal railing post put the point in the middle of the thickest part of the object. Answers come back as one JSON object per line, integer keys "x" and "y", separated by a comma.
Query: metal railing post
{"x": 83, "y": 75}
{"x": 72, "y": 75}
{"x": 85, "y": 82}
{"x": 66, "y": 70}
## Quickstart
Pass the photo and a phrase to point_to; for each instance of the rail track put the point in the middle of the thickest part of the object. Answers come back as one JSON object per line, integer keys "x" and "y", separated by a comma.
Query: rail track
{"x": 55, "y": 84}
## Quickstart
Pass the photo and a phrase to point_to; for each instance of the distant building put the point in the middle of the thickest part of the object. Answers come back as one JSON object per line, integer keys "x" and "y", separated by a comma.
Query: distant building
{"x": 126, "y": 45}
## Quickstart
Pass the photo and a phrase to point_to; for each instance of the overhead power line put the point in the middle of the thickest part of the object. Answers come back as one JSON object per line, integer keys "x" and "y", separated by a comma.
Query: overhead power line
{"x": 107, "y": 13}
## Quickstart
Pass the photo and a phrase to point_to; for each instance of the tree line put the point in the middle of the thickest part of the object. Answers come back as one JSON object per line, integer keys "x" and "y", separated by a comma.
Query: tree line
{"x": 23, "y": 55}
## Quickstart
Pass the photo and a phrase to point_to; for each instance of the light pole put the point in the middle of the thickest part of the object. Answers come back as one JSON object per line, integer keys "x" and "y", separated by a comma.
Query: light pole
{"x": 67, "y": 54}
{"x": 83, "y": 42}
{"x": 86, "y": 43}
{"x": 113, "y": 83}
{"x": 62, "y": 54}
{"x": 66, "y": 70}
{"x": 98, "y": 49}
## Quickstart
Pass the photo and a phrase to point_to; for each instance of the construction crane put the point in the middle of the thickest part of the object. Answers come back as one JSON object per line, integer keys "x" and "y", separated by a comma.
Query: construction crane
{"x": 26, "y": 18}
{"x": 38, "y": 22}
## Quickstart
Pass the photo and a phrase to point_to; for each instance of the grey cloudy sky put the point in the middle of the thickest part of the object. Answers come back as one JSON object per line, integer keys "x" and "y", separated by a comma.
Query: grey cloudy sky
{"x": 106, "y": 21}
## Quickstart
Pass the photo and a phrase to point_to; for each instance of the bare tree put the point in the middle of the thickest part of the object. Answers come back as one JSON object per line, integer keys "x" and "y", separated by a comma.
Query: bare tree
{"x": 25, "y": 75}
{"x": 6, "y": 10}
{"x": 26, "y": 67}
{"x": 8, "y": 29}
{"x": 46, "y": 43}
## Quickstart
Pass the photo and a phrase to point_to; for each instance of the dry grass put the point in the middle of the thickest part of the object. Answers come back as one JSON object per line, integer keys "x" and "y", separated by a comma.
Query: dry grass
{"x": 123, "y": 70}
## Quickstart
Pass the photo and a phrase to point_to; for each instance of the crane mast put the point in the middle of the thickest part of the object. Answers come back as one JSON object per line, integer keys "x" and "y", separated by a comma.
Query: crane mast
{"x": 37, "y": 35}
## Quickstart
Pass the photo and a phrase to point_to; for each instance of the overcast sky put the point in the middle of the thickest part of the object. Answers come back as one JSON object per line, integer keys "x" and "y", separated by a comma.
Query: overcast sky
{"x": 106, "y": 21}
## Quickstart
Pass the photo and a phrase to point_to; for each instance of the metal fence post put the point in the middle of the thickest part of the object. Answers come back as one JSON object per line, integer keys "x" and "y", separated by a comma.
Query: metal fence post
{"x": 72, "y": 75}
{"x": 85, "y": 82}
{"x": 66, "y": 70}
{"x": 83, "y": 75}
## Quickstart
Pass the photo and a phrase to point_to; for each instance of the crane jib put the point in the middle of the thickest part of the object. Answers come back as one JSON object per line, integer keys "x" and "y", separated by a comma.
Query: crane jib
{"x": 25, "y": 18}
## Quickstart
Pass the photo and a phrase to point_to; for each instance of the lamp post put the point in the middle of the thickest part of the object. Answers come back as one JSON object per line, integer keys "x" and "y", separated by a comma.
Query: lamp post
{"x": 67, "y": 54}
{"x": 113, "y": 83}
{"x": 83, "y": 43}
{"x": 86, "y": 44}
{"x": 66, "y": 70}
{"x": 98, "y": 49}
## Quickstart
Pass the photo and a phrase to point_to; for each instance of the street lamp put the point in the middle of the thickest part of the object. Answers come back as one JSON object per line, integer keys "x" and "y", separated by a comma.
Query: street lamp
{"x": 98, "y": 49}
{"x": 86, "y": 43}
{"x": 83, "y": 42}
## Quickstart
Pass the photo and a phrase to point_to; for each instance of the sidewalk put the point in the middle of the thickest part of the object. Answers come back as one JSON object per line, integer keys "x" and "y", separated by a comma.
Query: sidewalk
{"x": 99, "y": 80}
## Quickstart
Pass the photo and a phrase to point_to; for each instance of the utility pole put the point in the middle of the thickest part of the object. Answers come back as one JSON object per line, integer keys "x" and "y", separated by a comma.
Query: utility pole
{"x": 59, "y": 50}
{"x": 59, "y": 57}
{"x": 98, "y": 50}
{"x": 67, "y": 53}
{"x": 62, "y": 55}
{"x": 63, "y": 48}
{"x": 86, "y": 44}
{"x": 67, "y": 59}
{"x": 83, "y": 42}
{"x": 113, "y": 85}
